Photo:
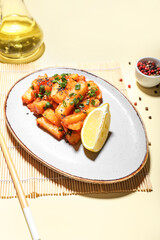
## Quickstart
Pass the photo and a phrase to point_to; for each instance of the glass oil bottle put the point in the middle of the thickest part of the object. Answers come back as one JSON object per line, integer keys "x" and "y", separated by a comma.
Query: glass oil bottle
{"x": 21, "y": 38}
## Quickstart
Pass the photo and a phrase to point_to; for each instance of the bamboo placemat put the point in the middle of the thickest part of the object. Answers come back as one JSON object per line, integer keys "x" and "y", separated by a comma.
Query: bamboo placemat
{"x": 38, "y": 180}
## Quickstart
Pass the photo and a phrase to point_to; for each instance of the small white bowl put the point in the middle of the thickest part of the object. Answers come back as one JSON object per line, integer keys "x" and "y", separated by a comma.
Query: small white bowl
{"x": 145, "y": 80}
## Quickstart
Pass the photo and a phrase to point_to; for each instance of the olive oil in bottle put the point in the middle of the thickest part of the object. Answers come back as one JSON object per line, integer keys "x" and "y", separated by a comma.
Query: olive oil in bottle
{"x": 20, "y": 36}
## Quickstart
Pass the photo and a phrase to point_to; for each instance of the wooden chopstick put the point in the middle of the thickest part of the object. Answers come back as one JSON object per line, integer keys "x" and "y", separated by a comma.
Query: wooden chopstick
{"x": 19, "y": 190}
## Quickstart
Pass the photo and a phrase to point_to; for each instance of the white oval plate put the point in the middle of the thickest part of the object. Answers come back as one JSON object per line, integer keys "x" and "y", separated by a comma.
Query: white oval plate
{"x": 123, "y": 155}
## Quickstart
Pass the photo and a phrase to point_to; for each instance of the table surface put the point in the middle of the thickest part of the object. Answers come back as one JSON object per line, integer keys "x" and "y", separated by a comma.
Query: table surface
{"x": 98, "y": 32}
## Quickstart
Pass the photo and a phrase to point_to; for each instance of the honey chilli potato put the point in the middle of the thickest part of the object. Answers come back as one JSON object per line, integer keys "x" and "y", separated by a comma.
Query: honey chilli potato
{"x": 61, "y": 103}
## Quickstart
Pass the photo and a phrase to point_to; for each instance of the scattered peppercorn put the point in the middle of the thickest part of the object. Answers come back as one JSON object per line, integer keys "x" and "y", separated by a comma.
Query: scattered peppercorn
{"x": 135, "y": 103}
{"x": 155, "y": 91}
{"x": 146, "y": 108}
{"x": 150, "y": 117}
{"x": 121, "y": 80}
{"x": 129, "y": 86}
{"x": 140, "y": 98}
{"x": 129, "y": 63}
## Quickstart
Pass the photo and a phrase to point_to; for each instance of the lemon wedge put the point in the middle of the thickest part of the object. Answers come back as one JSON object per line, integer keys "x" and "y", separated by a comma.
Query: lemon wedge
{"x": 96, "y": 127}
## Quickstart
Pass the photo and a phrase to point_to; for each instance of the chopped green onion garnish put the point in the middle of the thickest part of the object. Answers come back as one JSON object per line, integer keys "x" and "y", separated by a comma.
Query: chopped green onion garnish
{"x": 77, "y": 110}
{"x": 78, "y": 86}
{"x": 48, "y": 105}
{"x": 72, "y": 94}
{"x": 47, "y": 93}
{"x": 64, "y": 104}
{"x": 63, "y": 74}
{"x": 81, "y": 105}
{"x": 93, "y": 102}
{"x": 92, "y": 92}
{"x": 81, "y": 97}
{"x": 56, "y": 78}
{"x": 41, "y": 88}
{"x": 87, "y": 102}
{"x": 54, "y": 81}
{"x": 55, "y": 75}
{"x": 40, "y": 95}
{"x": 75, "y": 101}
{"x": 64, "y": 79}
{"x": 62, "y": 84}
{"x": 32, "y": 87}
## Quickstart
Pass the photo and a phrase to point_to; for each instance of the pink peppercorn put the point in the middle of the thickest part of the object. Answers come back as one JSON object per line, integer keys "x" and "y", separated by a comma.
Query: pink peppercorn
{"x": 149, "y": 68}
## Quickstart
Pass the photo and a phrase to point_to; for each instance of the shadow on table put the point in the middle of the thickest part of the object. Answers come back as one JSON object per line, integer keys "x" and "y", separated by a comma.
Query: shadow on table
{"x": 154, "y": 91}
{"x": 52, "y": 183}
{"x": 139, "y": 184}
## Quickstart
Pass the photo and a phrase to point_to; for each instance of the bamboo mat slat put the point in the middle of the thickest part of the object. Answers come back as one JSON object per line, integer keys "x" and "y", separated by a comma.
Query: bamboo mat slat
{"x": 38, "y": 180}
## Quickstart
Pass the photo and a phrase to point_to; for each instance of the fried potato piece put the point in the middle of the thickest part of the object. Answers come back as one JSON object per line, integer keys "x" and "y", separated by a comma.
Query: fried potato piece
{"x": 94, "y": 90}
{"x": 28, "y": 96}
{"x": 73, "y": 98}
{"x": 74, "y": 121}
{"x": 42, "y": 81}
{"x": 51, "y": 116}
{"x": 77, "y": 78}
{"x": 74, "y": 76}
{"x": 73, "y": 118}
{"x": 76, "y": 126}
{"x": 31, "y": 106}
{"x": 38, "y": 106}
{"x": 48, "y": 126}
{"x": 58, "y": 93}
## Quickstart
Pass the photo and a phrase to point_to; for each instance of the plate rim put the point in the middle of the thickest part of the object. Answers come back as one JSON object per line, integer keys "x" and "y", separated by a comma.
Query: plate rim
{"x": 82, "y": 179}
